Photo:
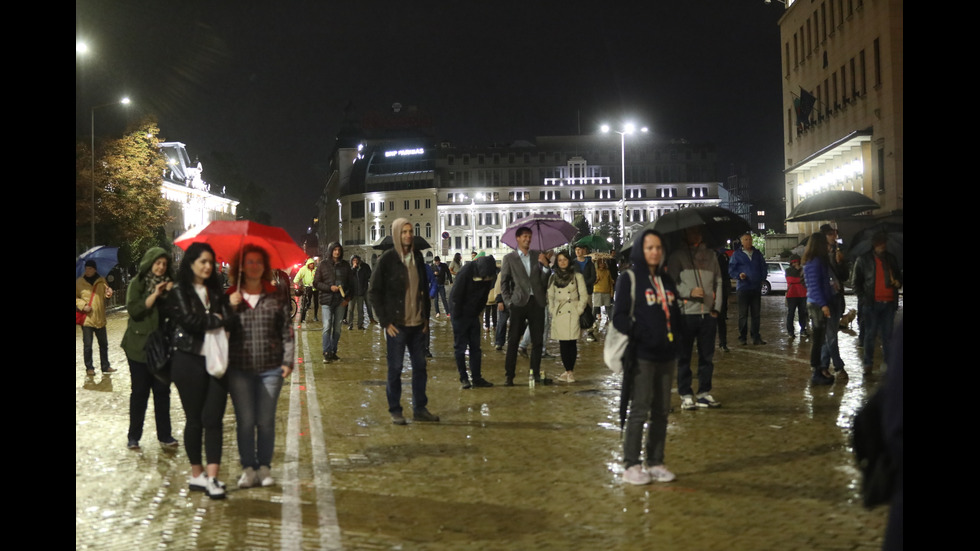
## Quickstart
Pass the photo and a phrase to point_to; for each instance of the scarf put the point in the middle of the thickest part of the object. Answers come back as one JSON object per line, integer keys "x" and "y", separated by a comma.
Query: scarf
{"x": 562, "y": 277}
{"x": 150, "y": 282}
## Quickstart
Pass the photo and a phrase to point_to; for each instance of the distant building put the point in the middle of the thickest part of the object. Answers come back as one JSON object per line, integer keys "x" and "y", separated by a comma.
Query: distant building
{"x": 843, "y": 71}
{"x": 191, "y": 201}
{"x": 461, "y": 199}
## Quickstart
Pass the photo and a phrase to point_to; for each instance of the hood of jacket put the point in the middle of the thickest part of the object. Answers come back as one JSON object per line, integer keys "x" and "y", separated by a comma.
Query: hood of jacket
{"x": 333, "y": 246}
{"x": 486, "y": 267}
{"x": 151, "y": 256}
{"x": 636, "y": 253}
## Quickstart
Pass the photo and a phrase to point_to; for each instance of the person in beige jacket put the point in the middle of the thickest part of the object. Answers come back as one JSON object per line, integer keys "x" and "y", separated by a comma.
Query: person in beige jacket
{"x": 568, "y": 298}
{"x": 91, "y": 290}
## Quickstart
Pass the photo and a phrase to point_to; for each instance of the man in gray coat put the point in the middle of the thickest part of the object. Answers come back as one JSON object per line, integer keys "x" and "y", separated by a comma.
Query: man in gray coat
{"x": 523, "y": 285}
{"x": 695, "y": 271}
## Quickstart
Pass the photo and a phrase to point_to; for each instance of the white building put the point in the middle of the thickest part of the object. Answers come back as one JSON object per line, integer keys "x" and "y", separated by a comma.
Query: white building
{"x": 461, "y": 199}
{"x": 191, "y": 201}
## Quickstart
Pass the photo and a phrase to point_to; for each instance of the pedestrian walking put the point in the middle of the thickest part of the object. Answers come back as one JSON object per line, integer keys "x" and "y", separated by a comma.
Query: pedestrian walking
{"x": 568, "y": 297}
{"x": 91, "y": 292}
{"x": 304, "y": 278}
{"x": 360, "y": 278}
{"x": 503, "y": 316}
{"x": 587, "y": 268}
{"x": 820, "y": 293}
{"x": 795, "y": 297}
{"x": 145, "y": 300}
{"x": 443, "y": 277}
{"x": 602, "y": 291}
{"x": 260, "y": 355}
{"x": 877, "y": 279}
{"x": 749, "y": 268}
{"x": 399, "y": 292}
{"x": 198, "y": 307}
{"x": 651, "y": 357}
{"x": 839, "y": 272}
{"x": 332, "y": 279}
{"x": 474, "y": 283}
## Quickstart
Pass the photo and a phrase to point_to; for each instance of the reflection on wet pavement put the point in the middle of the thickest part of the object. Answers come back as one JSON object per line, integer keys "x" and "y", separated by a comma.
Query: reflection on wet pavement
{"x": 507, "y": 468}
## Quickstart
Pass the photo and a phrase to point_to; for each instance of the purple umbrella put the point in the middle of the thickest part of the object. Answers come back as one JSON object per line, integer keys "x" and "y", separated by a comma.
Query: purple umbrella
{"x": 547, "y": 231}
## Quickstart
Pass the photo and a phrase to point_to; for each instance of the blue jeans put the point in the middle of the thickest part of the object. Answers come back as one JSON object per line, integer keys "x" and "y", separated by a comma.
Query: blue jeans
{"x": 332, "y": 318}
{"x": 414, "y": 340}
{"x": 749, "y": 303}
{"x": 102, "y": 336}
{"x": 830, "y": 353}
{"x": 701, "y": 328}
{"x": 440, "y": 294}
{"x": 795, "y": 305}
{"x": 881, "y": 320}
{"x": 466, "y": 333}
{"x": 502, "y": 317}
{"x": 356, "y": 309}
{"x": 255, "y": 396}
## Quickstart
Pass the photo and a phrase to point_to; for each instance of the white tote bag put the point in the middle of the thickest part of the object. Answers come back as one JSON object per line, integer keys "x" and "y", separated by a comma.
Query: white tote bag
{"x": 215, "y": 351}
{"x": 615, "y": 346}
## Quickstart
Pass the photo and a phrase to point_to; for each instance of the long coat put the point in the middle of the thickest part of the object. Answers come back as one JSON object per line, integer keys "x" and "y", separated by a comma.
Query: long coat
{"x": 566, "y": 305}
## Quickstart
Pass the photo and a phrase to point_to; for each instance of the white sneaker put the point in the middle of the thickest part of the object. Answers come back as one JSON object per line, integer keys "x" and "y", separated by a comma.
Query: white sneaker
{"x": 215, "y": 488}
{"x": 265, "y": 476}
{"x": 706, "y": 401}
{"x": 198, "y": 483}
{"x": 247, "y": 479}
{"x": 687, "y": 402}
{"x": 660, "y": 473}
{"x": 636, "y": 475}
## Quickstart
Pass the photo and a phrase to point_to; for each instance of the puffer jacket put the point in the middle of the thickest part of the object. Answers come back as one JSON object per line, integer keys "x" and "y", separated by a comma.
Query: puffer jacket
{"x": 191, "y": 320}
{"x": 143, "y": 320}
{"x": 566, "y": 304}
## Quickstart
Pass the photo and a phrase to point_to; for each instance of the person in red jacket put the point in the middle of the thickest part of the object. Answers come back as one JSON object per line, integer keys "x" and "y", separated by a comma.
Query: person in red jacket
{"x": 795, "y": 297}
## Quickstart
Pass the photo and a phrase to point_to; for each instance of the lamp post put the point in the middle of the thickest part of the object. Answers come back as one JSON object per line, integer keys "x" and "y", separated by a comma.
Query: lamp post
{"x": 123, "y": 101}
{"x": 628, "y": 128}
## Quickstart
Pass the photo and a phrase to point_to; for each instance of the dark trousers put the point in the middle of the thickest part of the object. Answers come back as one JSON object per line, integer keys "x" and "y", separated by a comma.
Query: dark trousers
{"x": 698, "y": 328}
{"x": 490, "y": 316}
{"x": 795, "y": 308}
{"x": 520, "y": 318}
{"x": 650, "y": 400}
{"x": 466, "y": 333}
{"x": 749, "y": 303}
{"x": 101, "y": 335}
{"x": 818, "y": 335}
{"x": 500, "y": 338}
{"x": 723, "y": 318}
{"x": 143, "y": 383}
{"x": 412, "y": 339}
{"x": 569, "y": 353}
{"x": 204, "y": 399}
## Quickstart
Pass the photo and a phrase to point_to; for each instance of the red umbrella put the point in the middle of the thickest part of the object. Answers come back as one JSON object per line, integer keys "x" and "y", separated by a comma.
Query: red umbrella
{"x": 227, "y": 237}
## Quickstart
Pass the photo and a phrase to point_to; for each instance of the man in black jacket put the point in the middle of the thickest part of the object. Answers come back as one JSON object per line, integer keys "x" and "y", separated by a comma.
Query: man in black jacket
{"x": 332, "y": 279}
{"x": 468, "y": 299}
{"x": 360, "y": 278}
{"x": 399, "y": 291}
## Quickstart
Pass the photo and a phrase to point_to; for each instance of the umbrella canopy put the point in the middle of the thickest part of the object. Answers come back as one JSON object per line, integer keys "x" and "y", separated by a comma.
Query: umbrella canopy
{"x": 419, "y": 244}
{"x": 861, "y": 244}
{"x": 547, "y": 231}
{"x": 105, "y": 259}
{"x": 227, "y": 237}
{"x": 595, "y": 242}
{"x": 718, "y": 224}
{"x": 830, "y": 205}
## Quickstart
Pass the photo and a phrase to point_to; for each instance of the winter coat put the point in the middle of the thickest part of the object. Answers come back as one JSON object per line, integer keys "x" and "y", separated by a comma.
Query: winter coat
{"x": 566, "y": 304}
{"x": 819, "y": 289}
{"x": 190, "y": 319}
{"x": 330, "y": 273}
{"x": 474, "y": 283}
{"x": 143, "y": 320}
{"x": 387, "y": 289}
{"x": 681, "y": 268}
{"x": 83, "y": 292}
{"x": 754, "y": 268}
{"x": 795, "y": 287}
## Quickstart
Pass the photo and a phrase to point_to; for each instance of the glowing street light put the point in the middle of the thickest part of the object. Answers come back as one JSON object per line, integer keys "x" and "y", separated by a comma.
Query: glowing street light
{"x": 123, "y": 101}
{"x": 628, "y": 128}
{"x": 81, "y": 47}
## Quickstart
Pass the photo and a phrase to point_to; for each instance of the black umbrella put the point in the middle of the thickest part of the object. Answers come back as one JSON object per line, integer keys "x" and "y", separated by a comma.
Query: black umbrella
{"x": 831, "y": 205}
{"x": 419, "y": 244}
{"x": 718, "y": 224}
{"x": 861, "y": 244}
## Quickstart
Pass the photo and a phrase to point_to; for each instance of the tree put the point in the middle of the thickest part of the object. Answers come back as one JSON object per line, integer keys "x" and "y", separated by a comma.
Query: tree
{"x": 130, "y": 208}
{"x": 584, "y": 229}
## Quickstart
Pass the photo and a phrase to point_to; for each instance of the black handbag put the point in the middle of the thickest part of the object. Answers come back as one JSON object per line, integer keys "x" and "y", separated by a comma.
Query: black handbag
{"x": 587, "y": 319}
{"x": 158, "y": 351}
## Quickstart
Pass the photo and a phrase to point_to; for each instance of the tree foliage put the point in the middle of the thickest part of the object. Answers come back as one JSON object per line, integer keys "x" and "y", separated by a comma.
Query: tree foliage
{"x": 130, "y": 209}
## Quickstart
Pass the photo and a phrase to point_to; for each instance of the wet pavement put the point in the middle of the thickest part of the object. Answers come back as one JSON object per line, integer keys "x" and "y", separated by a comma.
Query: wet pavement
{"x": 506, "y": 468}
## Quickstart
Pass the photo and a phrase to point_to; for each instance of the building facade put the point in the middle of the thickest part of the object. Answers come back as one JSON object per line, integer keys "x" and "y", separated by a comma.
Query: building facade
{"x": 191, "y": 200}
{"x": 842, "y": 67}
{"x": 461, "y": 199}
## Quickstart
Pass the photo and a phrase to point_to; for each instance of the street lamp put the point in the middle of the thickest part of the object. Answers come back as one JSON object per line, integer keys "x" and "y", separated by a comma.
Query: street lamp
{"x": 123, "y": 101}
{"x": 628, "y": 128}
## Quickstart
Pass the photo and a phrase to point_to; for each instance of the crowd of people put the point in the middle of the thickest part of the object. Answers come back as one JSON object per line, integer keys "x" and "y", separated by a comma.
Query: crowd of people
{"x": 239, "y": 341}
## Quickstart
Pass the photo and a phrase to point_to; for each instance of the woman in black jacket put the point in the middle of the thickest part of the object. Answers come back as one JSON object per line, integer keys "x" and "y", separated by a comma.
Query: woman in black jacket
{"x": 196, "y": 306}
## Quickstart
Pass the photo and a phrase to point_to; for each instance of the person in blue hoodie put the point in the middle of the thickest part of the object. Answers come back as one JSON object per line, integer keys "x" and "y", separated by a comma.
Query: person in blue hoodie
{"x": 654, "y": 332}
{"x": 749, "y": 268}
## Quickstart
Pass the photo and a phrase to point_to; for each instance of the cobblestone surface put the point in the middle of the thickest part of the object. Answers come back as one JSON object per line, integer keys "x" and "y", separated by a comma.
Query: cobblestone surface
{"x": 507, "y": 468}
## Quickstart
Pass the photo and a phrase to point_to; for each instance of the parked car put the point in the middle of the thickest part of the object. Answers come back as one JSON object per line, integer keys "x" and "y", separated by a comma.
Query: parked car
{"x": 776, "y": 278}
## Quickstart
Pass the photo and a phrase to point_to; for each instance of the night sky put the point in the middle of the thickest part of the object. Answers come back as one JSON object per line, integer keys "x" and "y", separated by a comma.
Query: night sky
{"x": 266, "y": 82}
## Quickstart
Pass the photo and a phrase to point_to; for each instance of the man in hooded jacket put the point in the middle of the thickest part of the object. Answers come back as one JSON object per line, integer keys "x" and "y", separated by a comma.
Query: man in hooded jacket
{"x": 467, "y": 300}
{"x": 332, "y": 279}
